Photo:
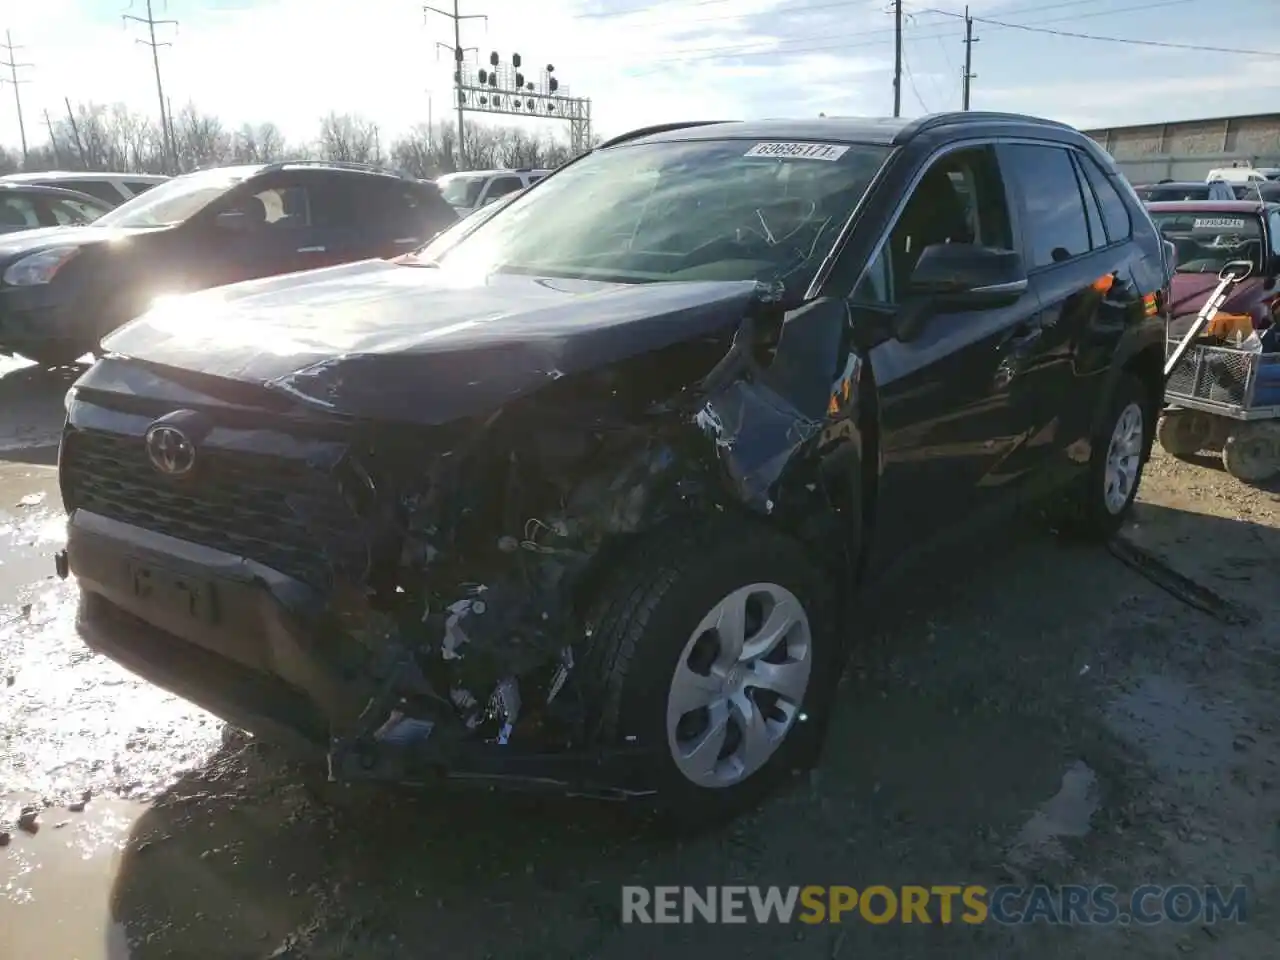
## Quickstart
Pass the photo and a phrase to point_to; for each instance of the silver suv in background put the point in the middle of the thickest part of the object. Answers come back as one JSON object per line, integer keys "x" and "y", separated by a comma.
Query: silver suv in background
{"x": 111, "y": 188}
{"x": 467, "y": 192}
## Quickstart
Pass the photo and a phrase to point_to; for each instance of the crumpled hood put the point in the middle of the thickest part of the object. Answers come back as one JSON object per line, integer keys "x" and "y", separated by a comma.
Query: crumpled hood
{"x": 14, "y": 245}
{"x": 390, "y": 341}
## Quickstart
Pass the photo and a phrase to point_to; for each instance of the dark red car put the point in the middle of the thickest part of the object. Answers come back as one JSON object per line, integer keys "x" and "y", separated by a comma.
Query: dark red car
{"x": 1208, "y": 234}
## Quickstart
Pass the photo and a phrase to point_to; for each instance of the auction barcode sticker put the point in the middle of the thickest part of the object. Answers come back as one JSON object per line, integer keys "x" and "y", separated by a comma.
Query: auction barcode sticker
{"x": 798, "y": 151}
{"x": 1217, "y": 223}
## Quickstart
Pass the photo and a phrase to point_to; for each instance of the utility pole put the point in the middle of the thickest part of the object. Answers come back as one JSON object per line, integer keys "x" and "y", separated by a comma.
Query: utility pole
{"x": 969, "y": 41}
{"x": 14, "y": 66}
{"x": 897, "y": 58}
{"x": 75, "y": 132}
{"x": 152, "y": 23}
{"x": 53, "y": 141}
{"x": 458, "y": 54}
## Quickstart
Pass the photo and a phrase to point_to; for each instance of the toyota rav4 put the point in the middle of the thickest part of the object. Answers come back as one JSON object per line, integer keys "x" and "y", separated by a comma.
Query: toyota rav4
{"x": 577, "y": 496}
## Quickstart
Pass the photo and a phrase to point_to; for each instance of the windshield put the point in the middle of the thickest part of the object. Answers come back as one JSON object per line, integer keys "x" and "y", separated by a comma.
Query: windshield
{"x": 74, "y": 212}
{"x": 1206, "y": 242}
{"x": 171, "y": 202}
{"x": 1180, "y": 191}
{"x": 461, "y": 190}
{"x": 704, "y": 210}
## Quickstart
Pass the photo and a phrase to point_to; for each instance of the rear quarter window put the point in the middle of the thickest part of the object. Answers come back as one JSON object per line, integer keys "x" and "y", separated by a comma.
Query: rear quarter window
{"x": 1115, "y": 212}
{"x": 95, "y": 188}
{"x": 17, "y": 213}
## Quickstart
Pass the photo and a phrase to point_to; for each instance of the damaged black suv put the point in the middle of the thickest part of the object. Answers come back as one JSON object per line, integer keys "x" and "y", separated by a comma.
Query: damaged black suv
{"x": 577, "y": 495}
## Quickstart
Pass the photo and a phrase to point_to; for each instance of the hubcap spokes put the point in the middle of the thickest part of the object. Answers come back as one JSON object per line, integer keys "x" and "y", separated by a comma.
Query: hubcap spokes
{"x": 1124, "y": 455}
{"x": 739, "y": 684}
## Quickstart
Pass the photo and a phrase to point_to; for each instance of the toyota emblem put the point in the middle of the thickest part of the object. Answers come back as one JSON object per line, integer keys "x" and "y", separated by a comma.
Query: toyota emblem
{"x": 170, "y": 450}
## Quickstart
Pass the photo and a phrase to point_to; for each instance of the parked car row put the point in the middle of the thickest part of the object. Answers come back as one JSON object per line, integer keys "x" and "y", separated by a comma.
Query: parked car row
{"x": 112, "y": 189}
{"x": 29, "y": 207}
{"x": 63, "y": 288}
{"x": 574, "y": 496}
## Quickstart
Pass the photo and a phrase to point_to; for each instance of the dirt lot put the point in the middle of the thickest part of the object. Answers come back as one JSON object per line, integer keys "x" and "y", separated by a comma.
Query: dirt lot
{"x": 1041, "y": 713}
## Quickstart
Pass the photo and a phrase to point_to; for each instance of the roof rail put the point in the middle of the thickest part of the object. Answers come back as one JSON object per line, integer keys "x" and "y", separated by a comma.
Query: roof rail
{"x": 656, "y": 128}
{"x": 278, "y": 165}
{"x": 974, "y": 116}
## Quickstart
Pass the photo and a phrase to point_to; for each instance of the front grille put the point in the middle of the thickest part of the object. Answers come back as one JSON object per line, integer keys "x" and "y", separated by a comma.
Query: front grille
{"x": 281, "y": 513}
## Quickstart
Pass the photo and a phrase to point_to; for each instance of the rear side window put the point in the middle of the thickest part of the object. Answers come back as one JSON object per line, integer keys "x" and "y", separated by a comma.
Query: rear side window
{"x": 335, "y": 203}
{"x": 401, "y": 209}
{"x": 69, "y": 212}
{"x": 17, "y": 213}
{"x": 501, "y": 186}
{"x": 138, "y": 186}
{"x": 95, "y": 188}
{"x": 1097, "y": 235}
{"x": 1057, "y": 227}
{"x": 1115, "y": 213}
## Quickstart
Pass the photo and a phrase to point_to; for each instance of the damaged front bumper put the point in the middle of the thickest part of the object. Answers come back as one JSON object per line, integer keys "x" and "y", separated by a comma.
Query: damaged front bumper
{"x": 244, "y": 641}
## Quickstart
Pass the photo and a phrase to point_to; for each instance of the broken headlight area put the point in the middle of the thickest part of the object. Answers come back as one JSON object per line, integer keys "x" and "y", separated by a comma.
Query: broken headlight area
{"x": 484, "y": 540}
{"x": 479, "y": 557}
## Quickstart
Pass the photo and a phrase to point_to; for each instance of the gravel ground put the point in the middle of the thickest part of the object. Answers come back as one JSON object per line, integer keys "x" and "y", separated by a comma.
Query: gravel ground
{"x": 1038, "y": 713}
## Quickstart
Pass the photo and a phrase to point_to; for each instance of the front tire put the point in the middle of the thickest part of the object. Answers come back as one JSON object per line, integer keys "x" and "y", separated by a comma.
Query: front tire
{"x": 1120, "y": 453}
{"x": 716, "y": 651}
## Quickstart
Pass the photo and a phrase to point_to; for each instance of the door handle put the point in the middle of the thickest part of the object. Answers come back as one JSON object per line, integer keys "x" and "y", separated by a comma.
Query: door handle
{"x": 403, "y": 240}
{"x": 311, "y": 249}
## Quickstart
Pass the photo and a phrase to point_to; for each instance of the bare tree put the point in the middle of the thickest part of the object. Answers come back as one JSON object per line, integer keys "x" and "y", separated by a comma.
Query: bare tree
{"x": 94, "y": 136}
{"x": 199, "y": 140}
{"x": 349, "y": 138}
{"x": 415, "y": 154}
{"x": 257, "y": 143}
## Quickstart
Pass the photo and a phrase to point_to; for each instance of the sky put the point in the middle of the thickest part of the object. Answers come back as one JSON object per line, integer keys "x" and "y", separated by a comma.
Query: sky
{"x": 643, "y": 61}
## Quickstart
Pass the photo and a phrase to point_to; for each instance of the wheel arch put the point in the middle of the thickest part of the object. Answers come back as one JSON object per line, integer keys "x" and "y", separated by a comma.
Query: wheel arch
{"x": 1140, "y": 354}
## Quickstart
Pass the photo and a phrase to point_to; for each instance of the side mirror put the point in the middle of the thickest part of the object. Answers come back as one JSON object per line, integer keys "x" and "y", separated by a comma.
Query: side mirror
{"x": 230, "y": 220}
{"x": 953, "y": 277}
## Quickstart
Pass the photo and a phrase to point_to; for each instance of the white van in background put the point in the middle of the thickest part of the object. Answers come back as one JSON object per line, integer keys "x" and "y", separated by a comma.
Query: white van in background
{"x": 112, "y": 188}
{"x": 470, "y": 190}
{"x": 1243, "y": 174}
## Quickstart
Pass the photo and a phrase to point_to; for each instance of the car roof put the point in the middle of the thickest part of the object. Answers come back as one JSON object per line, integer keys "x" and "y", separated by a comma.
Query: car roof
{"x": 885, "y": 131}
{"x": 1209, "y": 206}
{"x": 491, "y": 173}
{"x": 42, "y": 190}
{"x": 51, "y": 175}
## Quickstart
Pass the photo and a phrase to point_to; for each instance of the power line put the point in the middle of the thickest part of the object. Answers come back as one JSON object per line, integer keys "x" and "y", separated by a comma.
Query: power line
{"x": 14, "y": 66}
{"x": 840, "y": 42}
{"x": 911, "y": 80}
{"x": 166, "y": 128}
{"x": 1129, "y": 41}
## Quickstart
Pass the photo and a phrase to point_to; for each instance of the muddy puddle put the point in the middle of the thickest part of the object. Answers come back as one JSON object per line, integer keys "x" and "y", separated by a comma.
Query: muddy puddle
{"x": 84, "y": 745}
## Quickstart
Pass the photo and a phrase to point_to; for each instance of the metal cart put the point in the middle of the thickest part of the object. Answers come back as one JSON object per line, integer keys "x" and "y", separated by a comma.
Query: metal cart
{"x": 1222, "y": 399}
{"x": 1213, "y": 404}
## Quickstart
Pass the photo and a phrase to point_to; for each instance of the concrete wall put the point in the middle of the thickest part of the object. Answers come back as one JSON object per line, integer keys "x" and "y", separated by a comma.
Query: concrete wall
{"x": 1188, "y": 150}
